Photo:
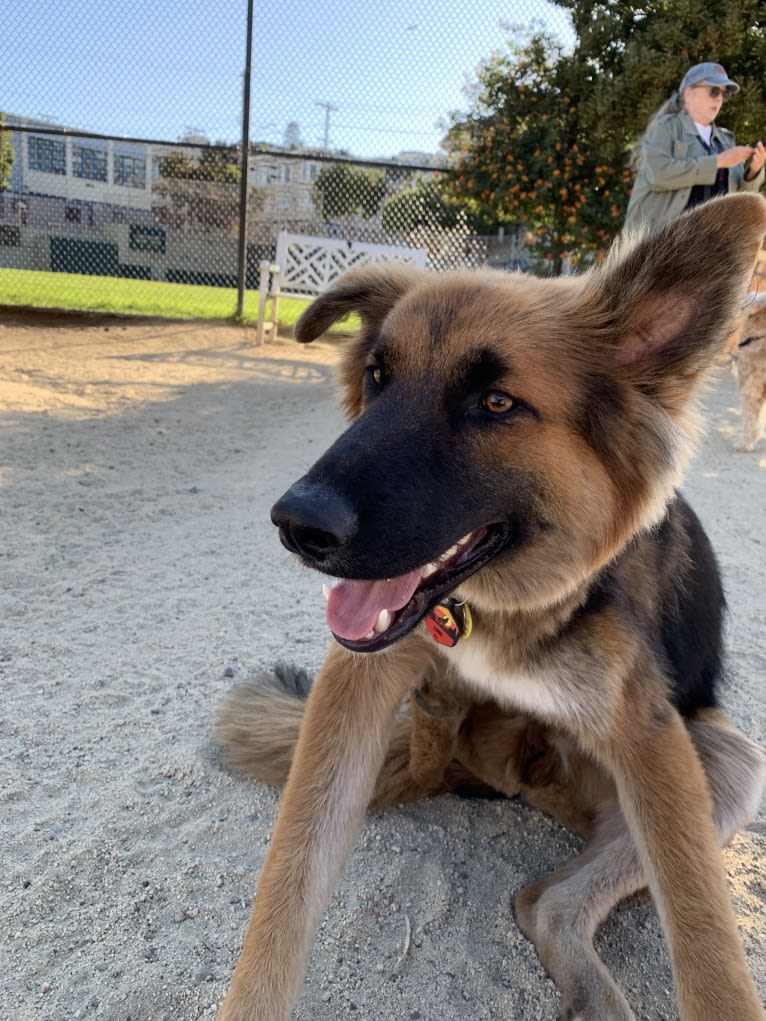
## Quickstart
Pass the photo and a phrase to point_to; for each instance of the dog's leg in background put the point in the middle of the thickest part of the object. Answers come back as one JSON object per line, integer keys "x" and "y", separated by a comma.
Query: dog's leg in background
{"x": 665, "y": 798}
{"x": 561, "y": 912}
{"x": 560, "y": 915}
{"x": 340, "y": 750}
{"x": 751, "y": 382}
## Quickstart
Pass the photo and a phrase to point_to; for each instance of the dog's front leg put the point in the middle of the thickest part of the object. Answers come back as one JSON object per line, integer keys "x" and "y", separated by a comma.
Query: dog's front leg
{"x": 665, "y": 799}
{"x": 340, "y": 750}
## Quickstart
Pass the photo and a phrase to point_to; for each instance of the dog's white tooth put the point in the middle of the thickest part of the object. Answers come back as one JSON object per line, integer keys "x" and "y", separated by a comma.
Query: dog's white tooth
{"x": 449, "y": 553}
{"x": 384, "y": 619}
{"x": 428, "y": 570}
{"x": 326, "y": 591}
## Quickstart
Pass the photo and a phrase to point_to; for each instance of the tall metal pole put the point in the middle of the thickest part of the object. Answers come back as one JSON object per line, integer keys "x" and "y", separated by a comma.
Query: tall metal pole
{"x": 327, "y": 108}
{"x": 242, "y": 246}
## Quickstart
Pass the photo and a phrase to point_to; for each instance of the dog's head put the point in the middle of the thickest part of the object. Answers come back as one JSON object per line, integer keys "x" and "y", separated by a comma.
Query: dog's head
{"x": 510, "y": 435}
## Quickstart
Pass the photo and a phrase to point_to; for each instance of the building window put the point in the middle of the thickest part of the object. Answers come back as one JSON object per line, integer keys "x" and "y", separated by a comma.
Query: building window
{"x": 88, "y": 163}
{"x": 309, "y": 172}
{"x": 147, "y": 239}
{"x": 47, "y": 155}
{"x": 266, "y": 175}
{"x": 130, "y": 171}
{"x": 73, "y": 214}
{"x": 10, "y": 236}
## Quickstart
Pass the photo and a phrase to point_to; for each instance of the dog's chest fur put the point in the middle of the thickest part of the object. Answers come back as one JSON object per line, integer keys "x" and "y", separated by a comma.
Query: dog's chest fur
{"x": 564, "y": 684}
{"x": 511, "y": 686}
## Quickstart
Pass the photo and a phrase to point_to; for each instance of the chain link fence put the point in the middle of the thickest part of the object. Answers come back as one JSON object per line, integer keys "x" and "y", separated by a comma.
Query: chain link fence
{"x": 125, "y": 127}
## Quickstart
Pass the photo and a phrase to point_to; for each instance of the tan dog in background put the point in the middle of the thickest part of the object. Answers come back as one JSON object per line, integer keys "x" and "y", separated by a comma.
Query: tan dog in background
{"x": 525, "y": 601}
{"x": 749, "y": 360}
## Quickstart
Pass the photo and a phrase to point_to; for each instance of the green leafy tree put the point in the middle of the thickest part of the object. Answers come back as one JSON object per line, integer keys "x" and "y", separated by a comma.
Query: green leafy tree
{"x": 342, "y": 191}
{"x": 7, "y": 155}
{"x": 524, "y": 156}
{"x": 201, "y": 193}
{"x": 425, "y": 204}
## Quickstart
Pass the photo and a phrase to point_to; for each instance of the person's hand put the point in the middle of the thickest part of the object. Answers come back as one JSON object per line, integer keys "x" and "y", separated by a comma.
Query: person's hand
{"x": 756, "y": 160}
{"x": 738, "y": 154}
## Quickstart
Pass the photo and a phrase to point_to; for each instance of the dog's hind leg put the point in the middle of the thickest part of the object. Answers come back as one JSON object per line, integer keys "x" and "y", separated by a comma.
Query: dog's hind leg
{"x": 560, "y": 913}
{"x": 753, "y": 422}
{"x": 519, "y": 756}
{"x": 422, "y": 757}
{"x": 418, "y": 759}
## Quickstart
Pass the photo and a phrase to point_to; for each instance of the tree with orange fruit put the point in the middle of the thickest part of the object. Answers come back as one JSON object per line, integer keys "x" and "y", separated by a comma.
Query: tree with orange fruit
{"x": 522, "y": 155}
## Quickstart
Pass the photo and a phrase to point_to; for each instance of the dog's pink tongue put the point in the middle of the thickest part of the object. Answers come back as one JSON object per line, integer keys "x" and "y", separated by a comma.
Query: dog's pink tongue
{"x": 353, "y": 607}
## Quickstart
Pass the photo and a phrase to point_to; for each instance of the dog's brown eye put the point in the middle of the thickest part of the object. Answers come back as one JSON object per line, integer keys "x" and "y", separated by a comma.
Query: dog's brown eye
{"x": 376, "y": 375}
{"x": 497, "y": 402}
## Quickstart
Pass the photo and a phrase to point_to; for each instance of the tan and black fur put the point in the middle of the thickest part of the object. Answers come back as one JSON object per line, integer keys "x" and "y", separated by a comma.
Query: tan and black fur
{"x": 524, "y": 438}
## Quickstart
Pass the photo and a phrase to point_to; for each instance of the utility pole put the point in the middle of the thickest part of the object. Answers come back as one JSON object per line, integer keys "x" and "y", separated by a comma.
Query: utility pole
{"x": 327, "y": 108}
{"x": 245, "y": 165}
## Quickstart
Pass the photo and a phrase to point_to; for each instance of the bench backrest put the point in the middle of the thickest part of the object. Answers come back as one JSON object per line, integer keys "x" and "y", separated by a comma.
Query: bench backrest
{"x": 308, "y": 265}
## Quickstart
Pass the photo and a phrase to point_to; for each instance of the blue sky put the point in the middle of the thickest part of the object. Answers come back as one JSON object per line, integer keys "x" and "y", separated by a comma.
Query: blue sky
{"x": 392, "y": 68}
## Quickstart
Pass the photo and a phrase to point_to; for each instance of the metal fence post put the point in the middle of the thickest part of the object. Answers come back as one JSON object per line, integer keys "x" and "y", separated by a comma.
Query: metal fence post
{"x": 242, "y": 249}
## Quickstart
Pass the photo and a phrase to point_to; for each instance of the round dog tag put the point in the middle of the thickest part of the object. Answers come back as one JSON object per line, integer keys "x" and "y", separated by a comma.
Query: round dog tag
{"x": 449, "y": 621}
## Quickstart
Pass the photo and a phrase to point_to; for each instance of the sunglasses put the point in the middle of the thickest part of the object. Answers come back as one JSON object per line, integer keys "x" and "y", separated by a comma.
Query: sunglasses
{"x": 714, "y": 91}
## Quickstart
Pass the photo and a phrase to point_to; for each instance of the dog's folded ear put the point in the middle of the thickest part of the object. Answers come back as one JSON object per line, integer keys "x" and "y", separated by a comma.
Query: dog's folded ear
{"x": 371, "y": 291}
{"x": 663, "y": 304}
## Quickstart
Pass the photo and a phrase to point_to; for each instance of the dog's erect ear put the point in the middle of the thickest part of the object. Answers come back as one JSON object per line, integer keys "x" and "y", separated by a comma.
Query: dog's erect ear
{"x": 666, "y": 303}
{"x": 371, "y": 291}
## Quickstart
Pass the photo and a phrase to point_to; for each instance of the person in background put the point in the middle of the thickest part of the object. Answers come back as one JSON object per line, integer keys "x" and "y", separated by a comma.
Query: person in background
{"x": 685, "y": 158}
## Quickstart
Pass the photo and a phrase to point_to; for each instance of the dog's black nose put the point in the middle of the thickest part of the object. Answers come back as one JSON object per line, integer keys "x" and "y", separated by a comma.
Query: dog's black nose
{"x": 313, "y": 522}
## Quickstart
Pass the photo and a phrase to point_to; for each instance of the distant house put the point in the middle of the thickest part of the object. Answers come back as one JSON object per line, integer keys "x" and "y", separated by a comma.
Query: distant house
{"x": 69, "y": 179}
{"x": 78, "y": 204}
{"x": 285, "y": 181}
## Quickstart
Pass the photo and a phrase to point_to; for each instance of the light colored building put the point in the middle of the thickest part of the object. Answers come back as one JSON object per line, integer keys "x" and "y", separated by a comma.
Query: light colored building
{"x": 284, "y": 184}
{"x": 78, "y": 204}
{"x": 78, "y": 170}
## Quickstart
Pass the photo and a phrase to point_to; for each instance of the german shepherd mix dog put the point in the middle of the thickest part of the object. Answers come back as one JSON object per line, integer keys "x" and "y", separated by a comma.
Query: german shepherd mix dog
{"x": 525, "y": 600}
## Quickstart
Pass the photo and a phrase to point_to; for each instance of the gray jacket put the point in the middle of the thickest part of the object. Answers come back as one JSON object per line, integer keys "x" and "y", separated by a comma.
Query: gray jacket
{"x": 673, "y": 160}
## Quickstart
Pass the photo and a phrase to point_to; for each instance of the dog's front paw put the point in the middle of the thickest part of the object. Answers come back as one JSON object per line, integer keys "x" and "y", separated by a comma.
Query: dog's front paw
{"x": 745, "y": 446}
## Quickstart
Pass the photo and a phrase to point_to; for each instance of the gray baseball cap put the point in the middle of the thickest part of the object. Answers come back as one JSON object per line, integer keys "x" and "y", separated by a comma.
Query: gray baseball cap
{"x": 709, "y": 74}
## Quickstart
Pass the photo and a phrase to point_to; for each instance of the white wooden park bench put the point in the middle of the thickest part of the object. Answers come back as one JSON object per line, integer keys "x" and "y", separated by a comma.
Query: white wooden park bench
{"x": 305, "y": 266}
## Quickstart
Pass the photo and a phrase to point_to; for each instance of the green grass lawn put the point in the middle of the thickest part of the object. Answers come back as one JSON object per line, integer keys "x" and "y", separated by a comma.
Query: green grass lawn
{"x": 116, "y": 296}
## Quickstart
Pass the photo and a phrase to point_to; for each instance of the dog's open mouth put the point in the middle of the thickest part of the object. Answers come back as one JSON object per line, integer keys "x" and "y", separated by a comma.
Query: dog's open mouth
{"x": 366, "y": 616}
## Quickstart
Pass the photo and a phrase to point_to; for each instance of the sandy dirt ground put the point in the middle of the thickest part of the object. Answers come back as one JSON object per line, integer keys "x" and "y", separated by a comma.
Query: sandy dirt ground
{"x": 141, "y": 577}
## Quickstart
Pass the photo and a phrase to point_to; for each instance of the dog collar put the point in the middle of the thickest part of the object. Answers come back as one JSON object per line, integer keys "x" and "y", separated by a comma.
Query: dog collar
{"x": 449, "y": 621}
